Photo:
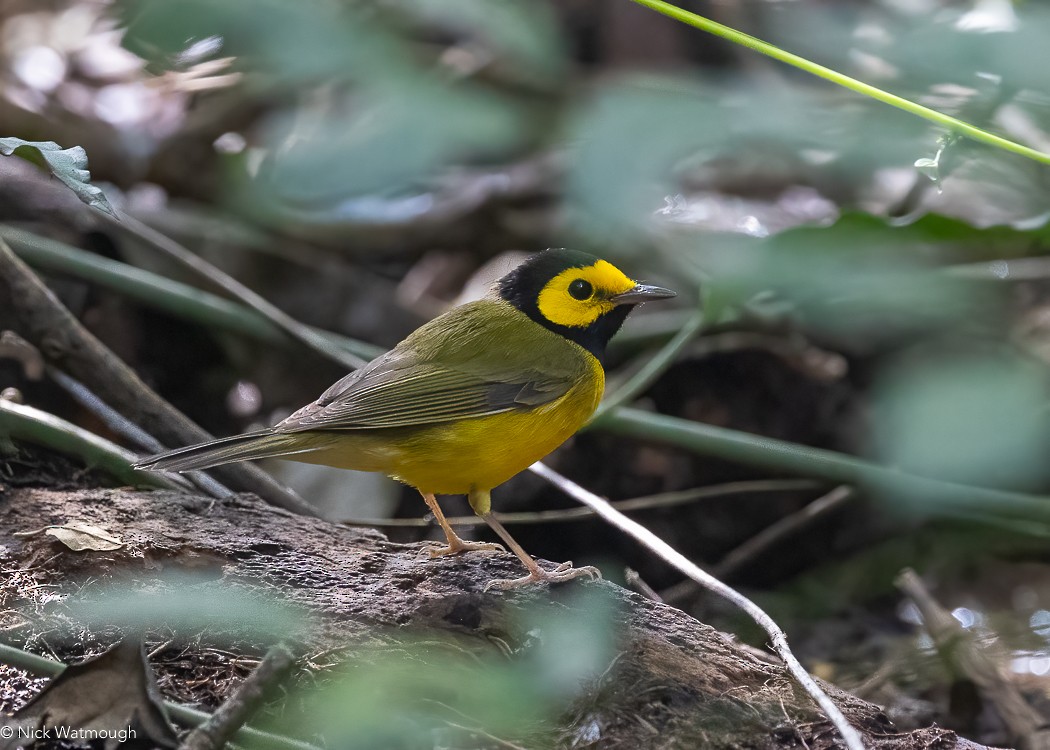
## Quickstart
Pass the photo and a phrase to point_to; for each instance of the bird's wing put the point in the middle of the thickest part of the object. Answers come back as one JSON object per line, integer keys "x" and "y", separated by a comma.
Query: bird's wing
{"x": 398, "y": 391}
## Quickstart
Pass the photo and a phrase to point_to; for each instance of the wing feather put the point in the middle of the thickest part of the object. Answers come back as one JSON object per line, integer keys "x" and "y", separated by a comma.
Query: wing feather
{"x": 430, "y": 398}
{"x": 420, "y": 383}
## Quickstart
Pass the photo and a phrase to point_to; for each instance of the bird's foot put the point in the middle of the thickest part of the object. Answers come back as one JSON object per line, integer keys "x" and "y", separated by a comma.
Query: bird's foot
{"x": 454, "y": 547}
{"x": 561, "y": 574}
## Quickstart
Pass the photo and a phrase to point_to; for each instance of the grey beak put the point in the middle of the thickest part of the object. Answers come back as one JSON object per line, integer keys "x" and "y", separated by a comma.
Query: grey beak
{"x": 642, "y": 293}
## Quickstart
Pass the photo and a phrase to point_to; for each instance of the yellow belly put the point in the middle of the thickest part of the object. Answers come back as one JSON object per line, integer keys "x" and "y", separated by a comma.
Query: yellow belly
{"x": 456, "y": 458}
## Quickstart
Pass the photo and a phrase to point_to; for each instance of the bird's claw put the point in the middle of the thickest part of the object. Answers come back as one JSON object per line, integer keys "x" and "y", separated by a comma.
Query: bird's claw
{"x": 561, "y": 574}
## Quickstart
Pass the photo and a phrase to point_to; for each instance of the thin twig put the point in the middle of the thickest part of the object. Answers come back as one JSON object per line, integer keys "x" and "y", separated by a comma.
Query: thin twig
{"x": 661, "y": 500}
{"x": 245, "y": 700}
{"x": 158, "y": 649}
{"x": 111, "y": 418}
{"x": 45, "y": 322}
{"x": 883, "y": 674}
{"x": 961, "y": 651}
{"x": 132, "y": 227}
{"x": 40, "y": 428}
{"x": 635, "y": 582}
{"x": 13, "y": 346}
{"x": 182, "y": 300}
{"x": 128, "y": 430}
{"x": 783, "y": 528}
{"x": 246, "y": 736}
{"x": 670, "y": 555}
{"x": 487, "y": 735}
{"x": 952, "y": 124}
{"x": 754, "y": 546}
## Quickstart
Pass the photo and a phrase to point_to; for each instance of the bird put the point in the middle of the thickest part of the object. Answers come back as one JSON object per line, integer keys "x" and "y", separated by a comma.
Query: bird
{"x": 466, "y": 401}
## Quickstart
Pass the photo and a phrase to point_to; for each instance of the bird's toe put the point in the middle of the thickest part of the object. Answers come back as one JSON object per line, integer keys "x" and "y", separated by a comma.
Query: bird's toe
{"x": 561, "y": 574}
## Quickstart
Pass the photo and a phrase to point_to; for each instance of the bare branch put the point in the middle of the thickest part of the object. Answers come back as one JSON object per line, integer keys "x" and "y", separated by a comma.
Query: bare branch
{"x": 670, "y": 555}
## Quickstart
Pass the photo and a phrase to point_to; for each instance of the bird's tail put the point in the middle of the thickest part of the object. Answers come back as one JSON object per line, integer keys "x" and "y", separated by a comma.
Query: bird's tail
{"x": 261, "y": 444}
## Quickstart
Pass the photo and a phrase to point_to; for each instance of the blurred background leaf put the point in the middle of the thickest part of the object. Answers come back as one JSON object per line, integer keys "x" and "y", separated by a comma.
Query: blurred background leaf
{"x": 189, "y": 604}
{"x": 967, "y": 416}
{"x": 410, "y": 691}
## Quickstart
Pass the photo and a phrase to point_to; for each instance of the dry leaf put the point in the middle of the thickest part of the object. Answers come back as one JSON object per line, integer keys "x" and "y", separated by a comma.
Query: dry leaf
{"x": 80, "y": 536}
{"x": 112, "y": 697}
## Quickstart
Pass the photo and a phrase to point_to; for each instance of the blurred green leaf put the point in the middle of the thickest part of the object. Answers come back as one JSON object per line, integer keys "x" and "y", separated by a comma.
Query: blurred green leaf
{"x": 971, "y": 61}
{"x": 863, "y": 282}
{"x": 387, "y": 138}
{"x": 638, "y": 143}
{"x": 443, "y": 690}
{"x": 978, "y": 418}
{"x": 573, "y": 645}
{"x": 408, "y": 695}
{"x": 378, "y": 120}
{"x": 615, "y": 187}
{"x": 69, "y": 165}
{"x": 291, "y": 40}
{"x": 980, "y": 46}
{"x": 189, "y": 604}
{"x": 525, "y": 36}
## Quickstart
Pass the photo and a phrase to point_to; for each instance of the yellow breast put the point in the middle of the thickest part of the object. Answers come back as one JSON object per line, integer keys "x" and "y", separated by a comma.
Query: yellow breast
{"x": 485, "y": 452}
{"x": 482, "y": 453}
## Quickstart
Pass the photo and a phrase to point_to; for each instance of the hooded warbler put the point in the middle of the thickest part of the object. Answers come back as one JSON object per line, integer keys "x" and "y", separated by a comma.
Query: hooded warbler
{"x": 466, "y": 401}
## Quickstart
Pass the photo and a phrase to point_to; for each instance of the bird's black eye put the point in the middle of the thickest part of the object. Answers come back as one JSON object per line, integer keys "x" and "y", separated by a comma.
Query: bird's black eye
{"x": 581, "y": 289}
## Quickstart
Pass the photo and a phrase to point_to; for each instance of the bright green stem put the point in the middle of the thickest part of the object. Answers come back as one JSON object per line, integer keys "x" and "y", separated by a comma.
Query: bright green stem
{"x": 737, "y": 37}
{"x": 908, "y": 491}
{"x": 31, "y": 425}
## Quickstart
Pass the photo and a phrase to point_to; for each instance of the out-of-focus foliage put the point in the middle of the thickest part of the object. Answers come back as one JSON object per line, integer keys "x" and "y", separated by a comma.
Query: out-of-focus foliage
{"x": 524, "y": 38}
{"x": 364, "y": 114}
{"x": 685, "y": 132}
{"x": 863, "y": 281}
{"x": 190, "y": 604}
{"x": 409, "y": 692}
{"x": 387, "y": 689}
{"x": 967, "y": 417}
{"x": 980, "y": 46}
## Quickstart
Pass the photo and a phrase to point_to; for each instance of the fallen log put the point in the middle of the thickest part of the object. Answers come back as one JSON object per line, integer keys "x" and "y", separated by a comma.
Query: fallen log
{"x": 674, "y": 682}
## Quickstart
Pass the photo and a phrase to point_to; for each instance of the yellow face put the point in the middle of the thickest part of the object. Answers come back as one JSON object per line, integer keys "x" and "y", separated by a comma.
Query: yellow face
{"x": 577, "y": 297}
